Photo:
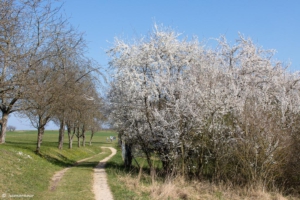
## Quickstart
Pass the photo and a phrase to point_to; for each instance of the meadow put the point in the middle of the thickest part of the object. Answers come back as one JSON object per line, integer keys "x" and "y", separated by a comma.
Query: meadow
{"x": 24, "y": 174}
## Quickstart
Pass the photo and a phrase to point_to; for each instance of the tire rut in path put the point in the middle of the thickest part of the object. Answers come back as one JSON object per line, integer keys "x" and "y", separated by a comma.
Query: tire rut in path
{"x": 100, "y": 186}
{"x": 59, "y": 174}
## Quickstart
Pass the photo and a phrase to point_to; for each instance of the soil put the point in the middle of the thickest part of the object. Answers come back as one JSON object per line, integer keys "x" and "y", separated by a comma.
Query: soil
{"x": 100, "y": 187}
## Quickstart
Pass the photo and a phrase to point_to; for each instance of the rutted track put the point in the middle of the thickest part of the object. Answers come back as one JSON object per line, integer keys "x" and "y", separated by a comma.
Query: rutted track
{"x": 59, "y": 174}
{"x": 100, "y": 186}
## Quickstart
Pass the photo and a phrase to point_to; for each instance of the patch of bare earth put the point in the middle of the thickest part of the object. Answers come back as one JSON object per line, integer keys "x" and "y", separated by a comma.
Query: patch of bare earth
{"x": 100, "y": 186}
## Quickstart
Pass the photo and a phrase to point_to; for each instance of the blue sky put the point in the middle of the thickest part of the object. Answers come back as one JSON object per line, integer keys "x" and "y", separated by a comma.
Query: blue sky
{"x": 271, "y": 24}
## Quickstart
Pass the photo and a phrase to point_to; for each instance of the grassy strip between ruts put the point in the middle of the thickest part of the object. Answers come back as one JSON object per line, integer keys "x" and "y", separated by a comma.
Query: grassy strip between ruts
{"x": 26, "y": 174}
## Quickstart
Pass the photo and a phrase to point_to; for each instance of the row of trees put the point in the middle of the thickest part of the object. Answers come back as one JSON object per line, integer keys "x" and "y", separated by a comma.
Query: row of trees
{"x": 44, "y": 74}
{"x": 224, "y": 114}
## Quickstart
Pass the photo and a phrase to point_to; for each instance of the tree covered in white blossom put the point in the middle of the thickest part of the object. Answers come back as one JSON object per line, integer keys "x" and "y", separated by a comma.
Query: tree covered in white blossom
{"x": 227, "y": 113}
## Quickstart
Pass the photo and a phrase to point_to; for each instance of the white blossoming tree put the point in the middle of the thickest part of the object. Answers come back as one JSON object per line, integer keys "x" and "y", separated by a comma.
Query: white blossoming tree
{"x": 226, "y": 113}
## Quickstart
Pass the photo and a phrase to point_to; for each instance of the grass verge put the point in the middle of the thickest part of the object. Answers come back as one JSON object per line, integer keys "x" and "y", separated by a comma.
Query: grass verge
{"x": 115, "y": 171}
{"x": 137, "y": 184}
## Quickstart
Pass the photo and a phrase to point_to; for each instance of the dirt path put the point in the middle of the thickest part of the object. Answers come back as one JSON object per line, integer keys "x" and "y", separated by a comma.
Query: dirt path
{"x": 58, "y": 175}
{"x": 100, "y": 187}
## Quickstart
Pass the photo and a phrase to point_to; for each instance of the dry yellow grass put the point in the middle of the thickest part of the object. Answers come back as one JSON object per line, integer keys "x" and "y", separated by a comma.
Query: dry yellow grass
{"x": 178, "y": 188}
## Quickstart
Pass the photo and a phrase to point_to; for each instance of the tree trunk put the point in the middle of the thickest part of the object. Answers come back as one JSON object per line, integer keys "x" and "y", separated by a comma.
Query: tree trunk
{"x": 70, "y": 141}
{"x": 42, "y": 136}
{"x": 92, "y": 134}
{"x": 78, "y": 140}
{"x": 183, "y": 159}
{"x": 78, "y": 137}
{"x": 70, "y": 137}
{"x": 61, "y": 134}
{"x": 120, "y": 138}
{"x": 83, "y": 140}
{"x": 152, "y": 169}
{"x": 128, "y": 156}
{"x": 83, "y": 136}
{"x": 39, "y": 139}
{"x": 3, "y": 127}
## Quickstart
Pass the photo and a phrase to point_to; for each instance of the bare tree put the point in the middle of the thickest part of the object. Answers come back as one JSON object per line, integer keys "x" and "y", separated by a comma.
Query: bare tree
{"x": 69, "y": 59}
{"x": 27, "y": 32}
{"x": 96, "y": 124}
{"x": 11, "y": 128}
{"x": 83, "y": 105}
{"x": 43, "y": 97}
{"x": 12, "y": 27}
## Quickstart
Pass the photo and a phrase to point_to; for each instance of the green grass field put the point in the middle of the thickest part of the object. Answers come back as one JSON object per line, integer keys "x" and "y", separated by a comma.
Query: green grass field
{"x": 26, "y": 175}
{"x": 22, "y": 172}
